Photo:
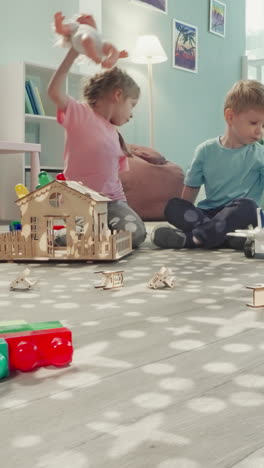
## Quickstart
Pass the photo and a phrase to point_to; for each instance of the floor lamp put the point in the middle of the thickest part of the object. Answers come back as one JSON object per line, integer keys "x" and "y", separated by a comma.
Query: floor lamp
{"x": 149, "y": 50}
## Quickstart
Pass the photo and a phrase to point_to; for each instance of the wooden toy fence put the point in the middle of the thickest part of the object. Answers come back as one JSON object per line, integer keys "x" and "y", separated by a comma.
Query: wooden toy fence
{"x": 113, "y": 247}
{"x": 14, "y": 245}
{"x": 121, "y": 243}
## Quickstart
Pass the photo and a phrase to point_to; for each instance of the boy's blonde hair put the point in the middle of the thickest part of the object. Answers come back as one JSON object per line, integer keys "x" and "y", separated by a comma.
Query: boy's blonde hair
{"x": 103, "y": 83}
{"x": 245, "y": 95}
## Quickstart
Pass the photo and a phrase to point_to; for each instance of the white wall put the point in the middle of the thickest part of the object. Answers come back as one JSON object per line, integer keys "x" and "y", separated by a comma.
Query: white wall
{"x": 26, "y": 32}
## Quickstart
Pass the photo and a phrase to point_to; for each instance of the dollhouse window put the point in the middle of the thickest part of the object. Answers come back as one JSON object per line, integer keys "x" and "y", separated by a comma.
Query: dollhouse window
{"x": 34, "y": 228}
{"x": 55, "y": 200}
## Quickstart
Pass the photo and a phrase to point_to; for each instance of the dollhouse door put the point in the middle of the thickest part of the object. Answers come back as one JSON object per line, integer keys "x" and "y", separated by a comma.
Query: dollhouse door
{"x": 50, "y": 238}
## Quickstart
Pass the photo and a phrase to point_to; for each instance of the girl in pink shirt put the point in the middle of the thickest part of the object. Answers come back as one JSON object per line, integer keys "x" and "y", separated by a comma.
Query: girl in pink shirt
{"x": 93, "y": 153}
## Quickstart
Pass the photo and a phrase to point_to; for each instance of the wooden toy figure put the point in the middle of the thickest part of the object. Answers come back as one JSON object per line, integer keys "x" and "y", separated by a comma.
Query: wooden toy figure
{"x": 162, "y": 279}
{"x": 258, "y": 295}
{"x": 82, "y": 35}
{"x": 23, "y": 282}
{"x": 112, "y": 279}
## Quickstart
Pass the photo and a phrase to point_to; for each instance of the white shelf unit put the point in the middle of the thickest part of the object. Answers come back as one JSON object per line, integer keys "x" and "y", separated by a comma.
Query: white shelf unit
{"x": 253, "y": 69}
{"x": 17, "y": 126}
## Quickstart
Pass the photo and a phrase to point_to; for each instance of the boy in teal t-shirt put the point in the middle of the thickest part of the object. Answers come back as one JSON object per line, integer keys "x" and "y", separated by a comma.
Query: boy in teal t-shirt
{"x": 231, "y": 167}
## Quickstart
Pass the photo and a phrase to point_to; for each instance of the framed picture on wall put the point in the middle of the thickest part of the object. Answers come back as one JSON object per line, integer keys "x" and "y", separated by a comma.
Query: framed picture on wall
{"x": 158, "y": 5}
{"x": 217, "y": 18}
{"x": 185, "y": 46}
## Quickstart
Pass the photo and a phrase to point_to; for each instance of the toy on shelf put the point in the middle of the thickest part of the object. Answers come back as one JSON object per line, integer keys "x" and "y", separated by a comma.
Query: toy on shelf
{"x": 81, "y": 210}
{"x": 28, "y": 349}
{"x": 162, "y": 279}
{"x": 258, "y": 295}
{"x": 111, "y": 279}
{"x": 23, "y": 282}
{"x": 83, "y": 36}
{"x": 254, "y": 237}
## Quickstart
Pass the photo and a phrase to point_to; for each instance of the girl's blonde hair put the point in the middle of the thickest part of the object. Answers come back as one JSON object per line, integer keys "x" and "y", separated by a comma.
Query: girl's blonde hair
{"x": 103, "y": 83}
{"x": 245, "y": 95}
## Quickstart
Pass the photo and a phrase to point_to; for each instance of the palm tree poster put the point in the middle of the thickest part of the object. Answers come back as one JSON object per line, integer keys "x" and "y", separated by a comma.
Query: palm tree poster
{"x": 185, "y": 46}
{"x": 158, "y": 5}
{"x": 217, "y": 17}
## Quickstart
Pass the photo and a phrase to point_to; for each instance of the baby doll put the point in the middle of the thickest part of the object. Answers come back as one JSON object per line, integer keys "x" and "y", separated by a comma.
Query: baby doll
{"x": 85, "y": 39}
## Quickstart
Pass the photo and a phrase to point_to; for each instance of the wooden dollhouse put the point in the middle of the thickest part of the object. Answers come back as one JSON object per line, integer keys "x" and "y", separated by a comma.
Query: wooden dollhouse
{"x": 83, "y": 213}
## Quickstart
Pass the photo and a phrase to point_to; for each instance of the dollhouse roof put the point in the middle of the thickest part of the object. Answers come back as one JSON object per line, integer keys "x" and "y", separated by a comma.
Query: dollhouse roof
{"x": 72, "y": 185}
{"x": 86, "y": 191}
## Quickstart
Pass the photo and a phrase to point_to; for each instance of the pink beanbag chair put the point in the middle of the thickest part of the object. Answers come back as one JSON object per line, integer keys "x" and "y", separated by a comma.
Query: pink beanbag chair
{"x": 150, "y": 182}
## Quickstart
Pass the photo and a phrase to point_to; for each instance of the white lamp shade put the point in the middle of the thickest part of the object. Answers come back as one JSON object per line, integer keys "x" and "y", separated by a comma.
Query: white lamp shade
{"x": 148, "y": 49}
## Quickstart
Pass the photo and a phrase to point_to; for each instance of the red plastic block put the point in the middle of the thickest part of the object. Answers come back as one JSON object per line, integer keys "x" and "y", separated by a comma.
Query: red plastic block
{"x": 31, "y": 349}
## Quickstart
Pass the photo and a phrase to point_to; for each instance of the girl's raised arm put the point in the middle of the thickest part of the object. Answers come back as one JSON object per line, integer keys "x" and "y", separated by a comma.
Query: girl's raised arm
{"x": 55, "y": 88}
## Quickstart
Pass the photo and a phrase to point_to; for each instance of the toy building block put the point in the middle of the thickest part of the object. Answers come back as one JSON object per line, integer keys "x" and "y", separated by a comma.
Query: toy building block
{"x": 60, "y": 176}
{"x": 15, "y": 226}
{"x": 21, "y": 190}
{"x": 31, "y": 349}
{"x": 45, "y": 325}
{"x": 23, "y": 282}
{"x": 111, "y": 279}
{"x": 162, "y": 279}
{"x": 5, "y": 323}
{"x": 43, "y": 179}
{"x": 258, "y": 295}
{"x": 4, "y": 367}
{"x": 16, "y": 327}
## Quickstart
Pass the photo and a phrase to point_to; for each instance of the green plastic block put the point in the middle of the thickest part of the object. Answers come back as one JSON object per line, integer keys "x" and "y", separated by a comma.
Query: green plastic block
{"x": 45, "y": 325}
{"x": 12, "y": 328}
{"x": 4, "y": 368}
{"x": 11, "y": 322}
{"x": 44, "y": 178}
